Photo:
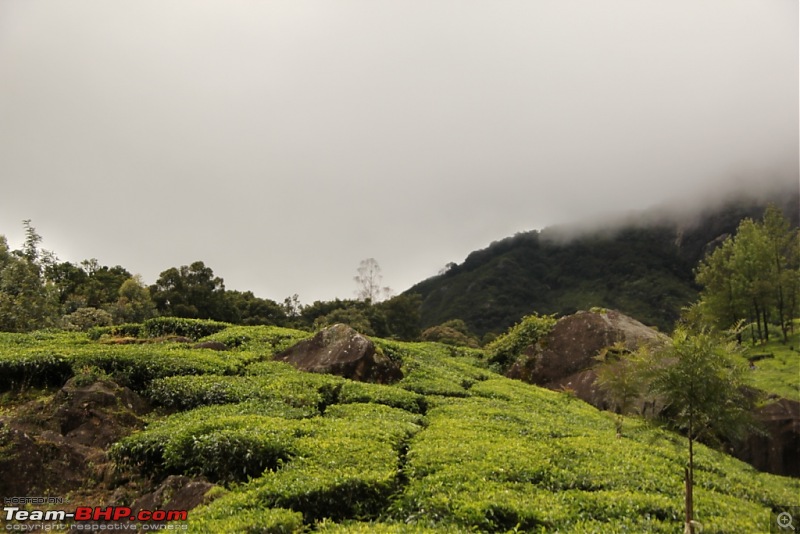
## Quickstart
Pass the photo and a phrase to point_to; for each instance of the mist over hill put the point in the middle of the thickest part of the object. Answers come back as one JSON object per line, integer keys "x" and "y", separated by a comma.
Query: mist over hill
{"x": 639, "y": 263}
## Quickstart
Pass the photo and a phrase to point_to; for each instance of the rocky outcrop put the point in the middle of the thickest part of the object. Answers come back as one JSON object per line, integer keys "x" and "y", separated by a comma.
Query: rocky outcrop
{"x": 342, "y": 351}
{"x": 56, "y": 445}
{"x": 777, "y": 449}
{"x": 564, "y": 358}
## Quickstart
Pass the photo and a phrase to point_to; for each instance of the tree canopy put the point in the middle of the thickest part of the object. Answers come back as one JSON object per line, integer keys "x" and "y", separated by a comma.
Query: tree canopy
{"x": 753, "y": 275}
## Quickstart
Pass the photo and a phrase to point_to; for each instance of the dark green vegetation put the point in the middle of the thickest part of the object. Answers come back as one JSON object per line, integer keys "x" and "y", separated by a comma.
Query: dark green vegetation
{"x": 754, "y": 276}
{"x": 37, "y": 291}
{"x": 644, "y": 269}
{"x": 452, "y": 447}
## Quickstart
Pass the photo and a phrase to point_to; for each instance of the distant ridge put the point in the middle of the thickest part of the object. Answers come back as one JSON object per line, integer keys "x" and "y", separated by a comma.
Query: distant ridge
{"x": 641, "y": 264}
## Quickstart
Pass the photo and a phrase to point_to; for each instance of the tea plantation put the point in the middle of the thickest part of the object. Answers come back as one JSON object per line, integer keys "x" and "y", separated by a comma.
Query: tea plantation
{"x": 452, "y": 447}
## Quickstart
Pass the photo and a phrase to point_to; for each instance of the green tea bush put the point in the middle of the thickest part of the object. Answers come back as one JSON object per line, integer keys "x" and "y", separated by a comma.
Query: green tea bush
{"x": 360, "y": 527}
{"x": 178, "y": 326}
{"x": 136, "y": 366}
{"x": 117, "y": 330}
{"x": 435, "y": 370}
{"x": 515, "y": 456}
{"x": 185, "y": 392}
{"x": 505, "y": 350}
{"x": 260, "y": 521}
{"x": 345, "y": 467}
{"x": 224, "y": 447}
{"x": 266, "y": 340}
{"x": 33, "y": 370}
{"x": 351, "y": 392}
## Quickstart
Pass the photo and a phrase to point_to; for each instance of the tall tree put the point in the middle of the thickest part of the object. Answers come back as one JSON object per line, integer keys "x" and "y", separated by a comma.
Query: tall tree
{"x": 783, "y": 246}
{"x": 702, "y": 387}
{"x": 191, "y": 291}
{"x": 368, "y": 282}
{"x": 27, "y": 302}
{"x": 134, "y": 304}
{"x": 754, "y": 275}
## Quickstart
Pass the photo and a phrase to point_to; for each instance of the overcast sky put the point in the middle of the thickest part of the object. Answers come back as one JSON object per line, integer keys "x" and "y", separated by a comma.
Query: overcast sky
{"x": 282, "y": 142}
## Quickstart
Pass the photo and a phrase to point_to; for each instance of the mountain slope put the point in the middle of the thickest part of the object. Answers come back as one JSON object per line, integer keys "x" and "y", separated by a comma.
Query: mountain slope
{"x": 642, "y": 266}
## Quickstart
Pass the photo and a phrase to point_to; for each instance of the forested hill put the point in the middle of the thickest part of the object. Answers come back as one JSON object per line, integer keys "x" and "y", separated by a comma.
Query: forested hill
{"x": 642, "y": 268}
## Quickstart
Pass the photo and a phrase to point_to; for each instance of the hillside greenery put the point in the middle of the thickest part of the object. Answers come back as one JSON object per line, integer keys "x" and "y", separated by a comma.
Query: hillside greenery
{"x": 452, "y": 447}
{"x": 643, "y": 268}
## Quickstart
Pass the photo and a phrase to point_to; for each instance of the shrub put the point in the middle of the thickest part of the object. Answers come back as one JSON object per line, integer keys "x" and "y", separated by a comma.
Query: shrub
{"x": 261, "y": 521}
{"x": 24, "y": 370}
{"x": 352, "y": 392}
{"x": 84, "y": 319}
{"x": 449, "y": 336}
{"x": 136, "y": 366}
{"x": 345, "y": 467}
{"x": 185, "y": 392}
{"x": 222, "y": 446}
{"x": 504, "y": 350}
{"x": 178, "y": 326}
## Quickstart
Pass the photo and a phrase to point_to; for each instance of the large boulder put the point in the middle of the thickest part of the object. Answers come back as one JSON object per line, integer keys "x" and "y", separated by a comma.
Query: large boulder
{"x": 564, "y": 359}
{"x": 777, "y": 448}
{"x": 340, "y": 350}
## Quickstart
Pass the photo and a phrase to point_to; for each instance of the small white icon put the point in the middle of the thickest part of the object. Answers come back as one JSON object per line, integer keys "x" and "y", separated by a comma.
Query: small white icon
{"x": 785, "y": 520}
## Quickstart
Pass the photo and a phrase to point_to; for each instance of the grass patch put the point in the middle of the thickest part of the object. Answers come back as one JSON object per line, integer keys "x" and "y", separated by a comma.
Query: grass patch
{"x": 779, "y": 373}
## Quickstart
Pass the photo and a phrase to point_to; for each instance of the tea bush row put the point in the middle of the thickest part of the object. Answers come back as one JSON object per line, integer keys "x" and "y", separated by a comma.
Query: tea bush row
{"x": 185, "y": 392}
{"x": 276, "y": 380}
{"x": 433, "y": 369}
{"x": 178, "y": 326}
{"x": 23, "y": 370}
{"x": 260, "y": 521}
{"x": 117, "y": 330}
{"x": 136, "y": 366}
{"x": 223, "y": 445}
{"x": 266, "y": 340}
{"x": 347, "y": 466}
{"x": 49, "y": 359}
{"x": 521, "y": 457}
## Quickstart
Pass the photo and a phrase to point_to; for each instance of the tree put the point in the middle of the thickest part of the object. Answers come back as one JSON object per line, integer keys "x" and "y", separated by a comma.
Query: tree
{"x": 191, "y": 291}
{"x": 27, "y": 301}
{"x": 618, "y": 375}
{"x": 452, "y": 332}
{"x": 402, "y": 314}
{"x": 368, "y": 282}
{"x": 248, "y": 309}
{"x": 83, "y": 319}
{"x": 67, "y": 278}
{"x": 754, "y": 275}
{"x": 100, "y": 287}
{"x": 784, "y": 254}
{"x": 703, "y": 388}
{"x": 134, "y": 304}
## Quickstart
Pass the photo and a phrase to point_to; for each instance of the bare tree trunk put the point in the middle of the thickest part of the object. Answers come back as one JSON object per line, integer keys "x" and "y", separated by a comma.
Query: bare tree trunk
{"x": 689, "y": 483}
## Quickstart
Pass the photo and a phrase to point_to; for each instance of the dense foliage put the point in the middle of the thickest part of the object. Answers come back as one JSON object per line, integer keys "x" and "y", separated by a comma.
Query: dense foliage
{"x": 643, "y": 269}
{"x": 754, "y": 276}
{"x": 507, "y": 348}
